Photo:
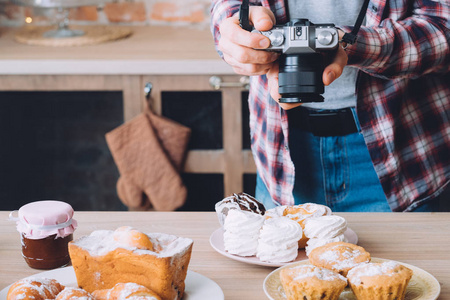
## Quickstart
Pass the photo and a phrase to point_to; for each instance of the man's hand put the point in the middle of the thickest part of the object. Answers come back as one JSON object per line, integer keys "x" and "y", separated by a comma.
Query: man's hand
{"x": 238, "y": 45}
{"x": 330, "y": 74}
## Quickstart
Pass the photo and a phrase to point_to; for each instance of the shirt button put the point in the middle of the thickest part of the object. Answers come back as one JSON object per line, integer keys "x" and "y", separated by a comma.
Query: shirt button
{"x": 374, "y": 8}
{"x": 286, "y": 148}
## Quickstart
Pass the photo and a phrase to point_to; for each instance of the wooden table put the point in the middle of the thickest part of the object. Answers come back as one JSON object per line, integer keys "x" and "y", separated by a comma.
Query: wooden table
{"x": 420, "y": 239}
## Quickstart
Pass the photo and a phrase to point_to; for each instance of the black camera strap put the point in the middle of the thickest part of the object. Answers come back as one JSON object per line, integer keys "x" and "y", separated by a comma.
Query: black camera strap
{"x": 244, "y": 11}
{"x": 349, "y": 37}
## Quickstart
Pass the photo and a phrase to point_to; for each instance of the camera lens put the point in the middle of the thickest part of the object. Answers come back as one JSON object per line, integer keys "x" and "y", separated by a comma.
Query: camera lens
{"x": 300, "y": 78}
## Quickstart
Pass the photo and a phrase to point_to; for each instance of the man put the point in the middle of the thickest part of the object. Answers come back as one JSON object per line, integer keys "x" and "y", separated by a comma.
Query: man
{"x": 400, "y": 135}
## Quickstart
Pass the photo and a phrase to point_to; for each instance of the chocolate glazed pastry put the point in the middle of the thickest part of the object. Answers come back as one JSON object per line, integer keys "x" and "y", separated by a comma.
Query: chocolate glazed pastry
{"x": 241, "y": 201}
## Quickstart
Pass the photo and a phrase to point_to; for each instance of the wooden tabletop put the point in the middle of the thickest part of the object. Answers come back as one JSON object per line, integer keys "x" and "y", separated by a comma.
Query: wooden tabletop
{"x": 419, "y": 239}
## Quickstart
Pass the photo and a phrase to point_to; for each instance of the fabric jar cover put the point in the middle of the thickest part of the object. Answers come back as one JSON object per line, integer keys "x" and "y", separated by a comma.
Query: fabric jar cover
{"x": 40, "y": 219}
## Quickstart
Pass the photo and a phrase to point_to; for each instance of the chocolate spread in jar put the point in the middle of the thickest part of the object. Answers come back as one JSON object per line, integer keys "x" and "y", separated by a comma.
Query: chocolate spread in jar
{"x": 46, "y": 253}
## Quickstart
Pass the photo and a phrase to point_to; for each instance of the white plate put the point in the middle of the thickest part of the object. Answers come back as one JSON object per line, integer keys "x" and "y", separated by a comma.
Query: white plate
{"x": 422, "y": 286}
{"x": 198, "y": 287}
{"x": 216, "y": 241}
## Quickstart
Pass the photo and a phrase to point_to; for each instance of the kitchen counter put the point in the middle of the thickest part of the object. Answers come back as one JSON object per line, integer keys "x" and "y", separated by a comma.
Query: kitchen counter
{"x": 419, "y": 239}
{"x": 150, "y": 50}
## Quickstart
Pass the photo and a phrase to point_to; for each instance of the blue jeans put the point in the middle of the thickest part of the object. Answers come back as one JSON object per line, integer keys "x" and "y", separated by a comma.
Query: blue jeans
{"x": 334, "y": 171}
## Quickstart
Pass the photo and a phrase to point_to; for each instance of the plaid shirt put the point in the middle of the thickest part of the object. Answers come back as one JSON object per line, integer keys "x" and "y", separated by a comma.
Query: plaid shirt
{"x": 403, "y": 100}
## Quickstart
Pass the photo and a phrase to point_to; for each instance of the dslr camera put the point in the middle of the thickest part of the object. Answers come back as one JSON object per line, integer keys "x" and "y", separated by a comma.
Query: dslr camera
{"x": 302, "y": 45}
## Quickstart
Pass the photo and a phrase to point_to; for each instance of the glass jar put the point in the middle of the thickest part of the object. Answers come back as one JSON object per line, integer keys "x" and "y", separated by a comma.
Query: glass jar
{"x": 46, "y": 228}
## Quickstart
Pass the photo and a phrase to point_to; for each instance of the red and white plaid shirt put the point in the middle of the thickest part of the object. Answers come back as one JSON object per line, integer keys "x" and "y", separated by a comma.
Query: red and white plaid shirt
{"x": 403, "y": 100}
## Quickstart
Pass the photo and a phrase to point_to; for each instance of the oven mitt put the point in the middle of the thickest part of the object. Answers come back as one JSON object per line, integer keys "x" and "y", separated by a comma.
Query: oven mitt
{"x": 149, "y": 152}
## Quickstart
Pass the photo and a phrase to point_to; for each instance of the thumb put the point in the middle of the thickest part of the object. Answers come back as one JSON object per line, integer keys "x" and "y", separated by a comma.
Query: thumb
{"x": 262, "y": 18}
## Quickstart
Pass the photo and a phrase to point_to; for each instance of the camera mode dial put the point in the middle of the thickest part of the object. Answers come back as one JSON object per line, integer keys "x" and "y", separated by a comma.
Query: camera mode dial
{"x": 325, "y": 38}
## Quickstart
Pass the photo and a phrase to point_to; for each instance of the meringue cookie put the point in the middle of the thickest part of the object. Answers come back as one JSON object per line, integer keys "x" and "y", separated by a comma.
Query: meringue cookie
{"x": 242, "y": 232}
{"x": 324, "y": 230}
{"x": 278, "y": 240}
{"x": 325, "y": 227}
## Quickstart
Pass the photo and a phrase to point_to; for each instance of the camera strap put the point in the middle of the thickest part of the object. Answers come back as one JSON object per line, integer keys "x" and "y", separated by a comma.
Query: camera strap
{"x": 244, "y": 11}
{"x": 349, "y": 37}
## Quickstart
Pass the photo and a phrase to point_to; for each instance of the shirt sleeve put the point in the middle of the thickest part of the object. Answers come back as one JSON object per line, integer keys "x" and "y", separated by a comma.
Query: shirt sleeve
{"x": 410, "y": 47}
{"x": 220, "y": 10}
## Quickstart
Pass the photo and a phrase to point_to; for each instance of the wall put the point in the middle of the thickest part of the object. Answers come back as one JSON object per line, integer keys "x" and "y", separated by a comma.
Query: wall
{"x": 137, "y": 12}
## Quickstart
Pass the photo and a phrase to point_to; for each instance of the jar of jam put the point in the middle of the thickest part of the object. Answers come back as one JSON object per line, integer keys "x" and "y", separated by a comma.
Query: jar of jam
{"x": 46, "y": 227}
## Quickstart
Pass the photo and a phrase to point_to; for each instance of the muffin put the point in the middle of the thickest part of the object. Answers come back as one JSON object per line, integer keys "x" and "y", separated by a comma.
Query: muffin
{"x": 241, "y": 201}
{"x": 383, "y": 281}
{"x": 311, "y": 283}
{"x": 339, "y": 256}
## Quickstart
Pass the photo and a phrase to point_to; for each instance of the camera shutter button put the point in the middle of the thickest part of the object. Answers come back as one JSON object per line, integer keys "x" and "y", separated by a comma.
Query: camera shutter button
{"x": 325, "y": 37}
{"x": 276, "y": 38}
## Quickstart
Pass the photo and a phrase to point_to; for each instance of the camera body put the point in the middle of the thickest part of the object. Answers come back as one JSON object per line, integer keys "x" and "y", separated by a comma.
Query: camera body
{"x": 302, "y": 45}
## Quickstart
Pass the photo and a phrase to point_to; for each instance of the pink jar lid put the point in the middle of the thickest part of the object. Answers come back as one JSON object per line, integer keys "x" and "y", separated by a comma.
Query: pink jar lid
{"x": 40, "y": 219}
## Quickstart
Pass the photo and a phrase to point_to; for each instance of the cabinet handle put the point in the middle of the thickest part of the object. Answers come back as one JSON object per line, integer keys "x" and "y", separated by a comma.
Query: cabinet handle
{"x": 217, "y": 83}
{"x": 148, "y": 90}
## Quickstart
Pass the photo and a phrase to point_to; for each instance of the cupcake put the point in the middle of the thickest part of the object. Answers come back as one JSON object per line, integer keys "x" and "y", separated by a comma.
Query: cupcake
{"x": 278, "y": 240}
{"x": 383, "y": 281}
{"x": 339, "y": 256}
{"x": 241, "y": 201}
{"x": 311, "y": 283}
{"x": 324, "y": 230}
{"x": 242, "y": 232}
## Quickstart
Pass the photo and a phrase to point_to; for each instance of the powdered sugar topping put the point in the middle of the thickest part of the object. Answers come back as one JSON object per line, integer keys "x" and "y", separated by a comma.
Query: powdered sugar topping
{"x": 101, "y": 242}
{"x": 341, "y": 257}
{"x": 306, "y": 271}
{"x": 371, "y": 269}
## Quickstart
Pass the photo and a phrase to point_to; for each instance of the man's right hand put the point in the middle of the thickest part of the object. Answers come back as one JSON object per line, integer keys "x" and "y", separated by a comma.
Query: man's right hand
{"x": 238, "y": 45}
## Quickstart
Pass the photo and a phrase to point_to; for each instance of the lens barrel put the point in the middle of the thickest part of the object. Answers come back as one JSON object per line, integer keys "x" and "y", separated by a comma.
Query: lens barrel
{"x": 300, "y": 78}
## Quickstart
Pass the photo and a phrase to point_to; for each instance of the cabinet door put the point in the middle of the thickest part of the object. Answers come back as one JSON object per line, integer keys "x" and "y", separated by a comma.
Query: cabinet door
{"x": 52, "y": 143}
{"x": 219, "y": 160}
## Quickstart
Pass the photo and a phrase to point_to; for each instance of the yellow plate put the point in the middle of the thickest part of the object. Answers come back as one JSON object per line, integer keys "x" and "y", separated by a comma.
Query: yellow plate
{"x": 422, "y": 286}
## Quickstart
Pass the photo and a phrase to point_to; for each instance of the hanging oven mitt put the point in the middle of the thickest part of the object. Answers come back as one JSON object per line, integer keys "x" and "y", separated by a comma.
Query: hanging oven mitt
{"x": 149, "y": 152}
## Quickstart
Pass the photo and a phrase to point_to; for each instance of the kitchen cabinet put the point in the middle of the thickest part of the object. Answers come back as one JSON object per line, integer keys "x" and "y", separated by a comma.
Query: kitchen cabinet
{"x": 179, "y": 63}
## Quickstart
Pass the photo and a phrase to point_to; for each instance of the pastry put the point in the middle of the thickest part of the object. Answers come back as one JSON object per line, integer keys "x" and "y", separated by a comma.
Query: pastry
{"x": 324, "y": 230}
{"x": 123, "y": 291}
{"x": 242, "y": 232}
{"x": 339, "y": 256}
{"x": 312, "y": 283}
{"x": 302, "y": 212}
{"x": 379, "y": 281}
{"x": 71, "y": 293}
{"x": 34, "y": 288}
{"x": 157, "y": 261}
{"x": 241, "y": 201}
{"x": 278, "y": 240}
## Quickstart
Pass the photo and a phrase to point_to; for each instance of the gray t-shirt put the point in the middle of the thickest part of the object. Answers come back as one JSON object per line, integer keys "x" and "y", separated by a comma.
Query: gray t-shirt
{"x": 341, "y": 93}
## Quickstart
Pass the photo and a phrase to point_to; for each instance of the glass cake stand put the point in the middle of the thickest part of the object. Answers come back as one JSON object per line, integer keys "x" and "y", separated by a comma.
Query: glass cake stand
{"x": 62, "y": 15}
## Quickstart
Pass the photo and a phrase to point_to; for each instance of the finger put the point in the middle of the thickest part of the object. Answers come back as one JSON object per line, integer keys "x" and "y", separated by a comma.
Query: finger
{"x": 248, "y": 69}
{"x": 272, "y": 82}
{"x": 335, "y": 69}
{"x": 262, "y": 18}
{"x": 246, "y": 55}
{"x": 231, "y": 30}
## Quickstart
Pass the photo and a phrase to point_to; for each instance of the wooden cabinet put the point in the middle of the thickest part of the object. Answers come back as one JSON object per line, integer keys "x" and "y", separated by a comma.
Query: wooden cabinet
{"x": 230, "y": 159}
{"x": 219, "y": 157}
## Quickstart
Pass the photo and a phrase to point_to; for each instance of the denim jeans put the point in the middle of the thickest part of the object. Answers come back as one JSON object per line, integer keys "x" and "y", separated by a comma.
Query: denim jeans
{"x": 334, "y": 171}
